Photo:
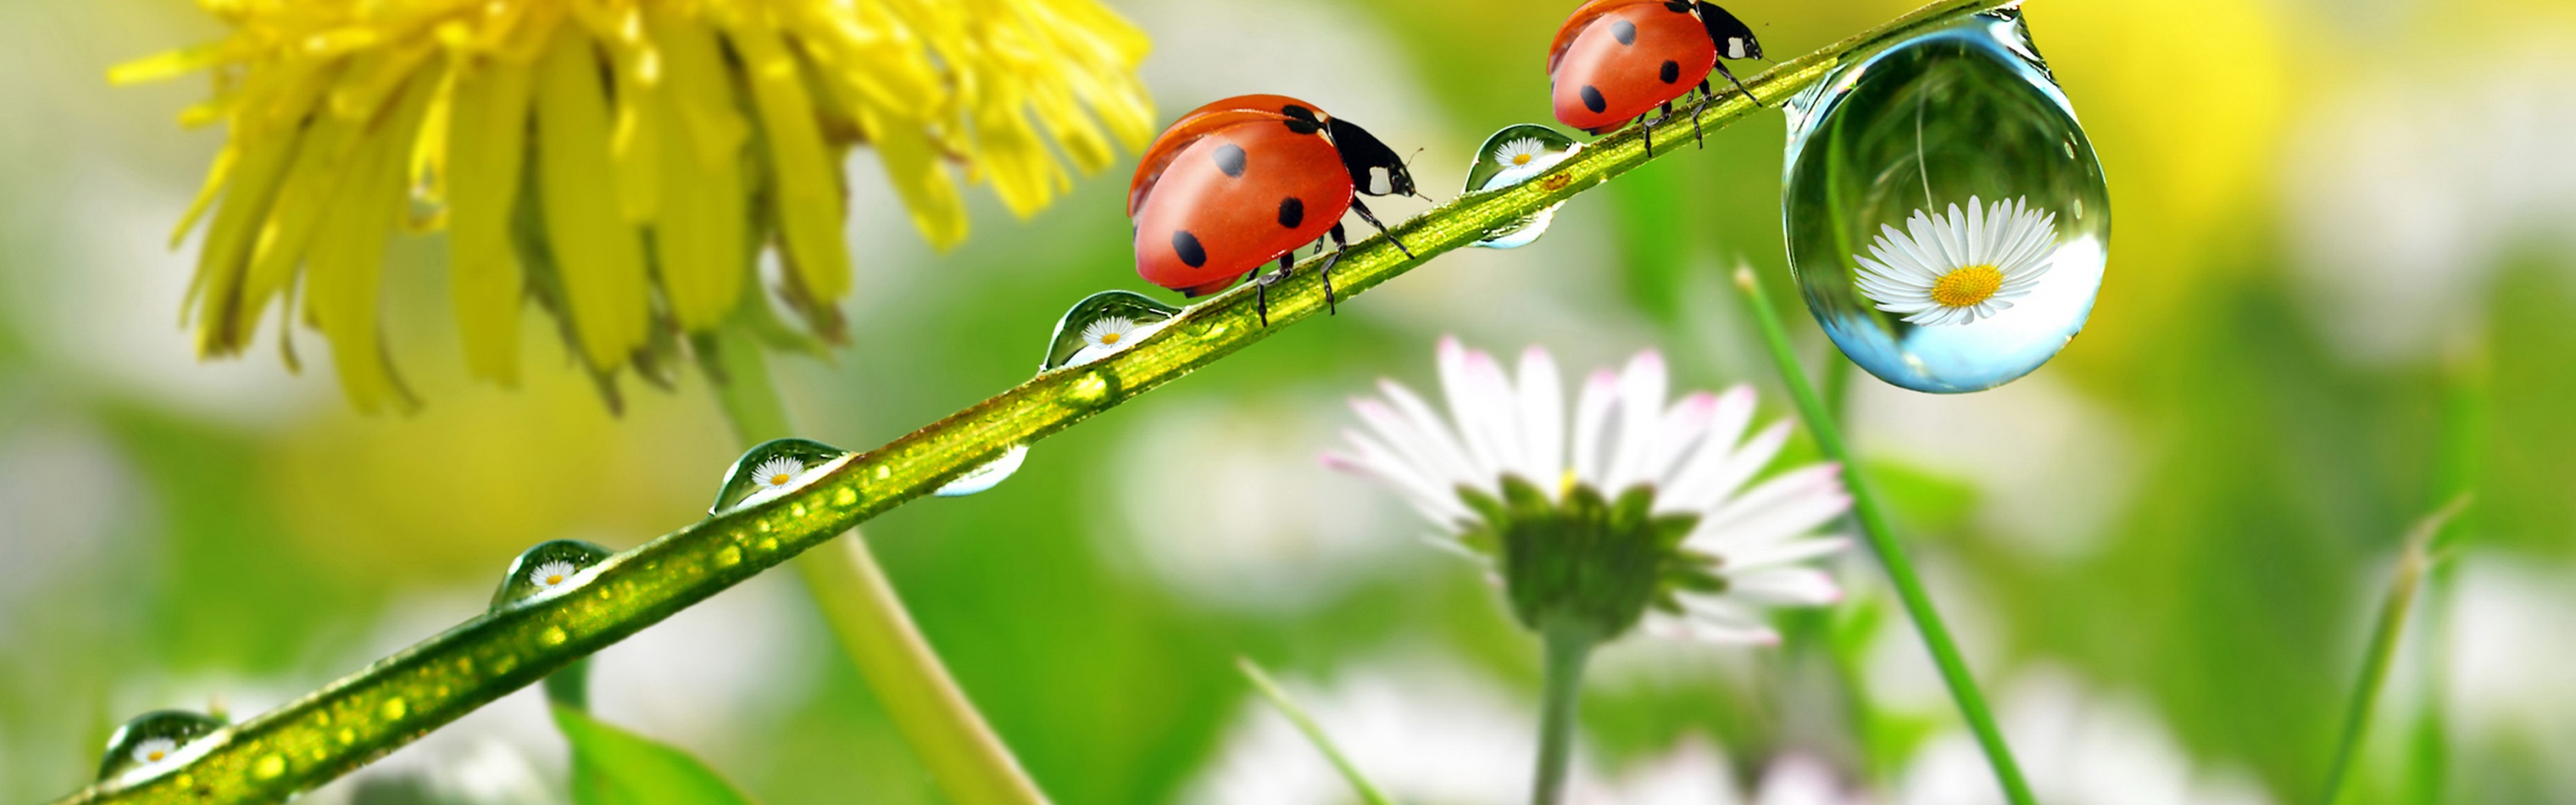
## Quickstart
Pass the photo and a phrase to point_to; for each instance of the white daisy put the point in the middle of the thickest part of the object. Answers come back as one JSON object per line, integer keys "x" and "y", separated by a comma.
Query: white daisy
{"x": 1955, "y": 269}
{"x": 1746, "y": 543}
{"x": 154, "y": 750}
{"x": 1108, "y": 335}
{"x": 551, "y": 574}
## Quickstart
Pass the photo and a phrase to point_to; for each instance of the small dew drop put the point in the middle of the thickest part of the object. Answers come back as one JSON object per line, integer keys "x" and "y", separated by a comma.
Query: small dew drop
{"x": 552, "y": 636}
{"x": 552, "y": 566}
{"x": 1091, "y": 390}
{"x": 394, "y": 709}
{"x": 1103, "y": 324}
{"x": 990, "y": 474}
{"x": 1510, "y": 157}
{"x": 269, "y": 766}
{"x": 151, "y": 740}
{"x": 767, "y": 544}
{"x": 348, "y": 736}
{"x": 728, "y": 557}
{"x": 772, "y": 469}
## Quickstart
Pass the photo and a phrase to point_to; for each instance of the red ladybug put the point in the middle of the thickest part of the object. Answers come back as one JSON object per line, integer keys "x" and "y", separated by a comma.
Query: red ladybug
{"x": 1240, "y": 182}
{"x": 1615, "y": 60}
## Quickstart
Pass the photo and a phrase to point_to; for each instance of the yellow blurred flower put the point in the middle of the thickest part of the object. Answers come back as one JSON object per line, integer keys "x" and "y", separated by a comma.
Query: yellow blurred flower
{"x": 619, "y": 161}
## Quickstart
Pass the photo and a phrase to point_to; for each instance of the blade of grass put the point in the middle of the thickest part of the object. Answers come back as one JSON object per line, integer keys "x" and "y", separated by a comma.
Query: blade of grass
{"x": 2413, "y": 559}
{"x": 1314, "y": 733}
{"x": 1882, "y": 538}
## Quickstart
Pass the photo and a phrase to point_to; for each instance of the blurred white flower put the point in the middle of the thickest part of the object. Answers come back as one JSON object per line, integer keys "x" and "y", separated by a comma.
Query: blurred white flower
{"x": 1421, "y": 730}
{"x": 1695, "y": 772}
{"x": 1216, "y": 502}
{"x": 2077, "y": 749}
{"x": 1507, "y": 460}
{"x": 2066, "y": 464}
{"x": 2510, "y": 648}
{"x": 2406, "y": 193}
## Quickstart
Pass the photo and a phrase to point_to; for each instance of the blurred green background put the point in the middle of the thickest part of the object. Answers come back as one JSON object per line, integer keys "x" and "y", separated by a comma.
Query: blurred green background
{"x": 2343, "y": 260}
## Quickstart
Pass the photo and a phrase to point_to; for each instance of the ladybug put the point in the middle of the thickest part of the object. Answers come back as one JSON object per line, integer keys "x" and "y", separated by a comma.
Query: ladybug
{"x": 1615, "y": 60}
{"x": 1240, "y": 182}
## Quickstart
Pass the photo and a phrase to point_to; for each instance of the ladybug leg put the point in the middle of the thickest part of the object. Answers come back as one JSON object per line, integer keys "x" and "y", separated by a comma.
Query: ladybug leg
{"x": 1261, "y": 285}
{"x": 1697, "y": 135}
{"x": 1649, "y": 126}
{"x": 1371, "y": 218}
{"x": 1739, "y": 83}
{"x": 1326, "y": 273}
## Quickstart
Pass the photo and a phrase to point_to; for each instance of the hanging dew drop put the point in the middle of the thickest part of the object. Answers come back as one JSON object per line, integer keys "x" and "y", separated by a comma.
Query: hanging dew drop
{"x": 773, "y": 468}
{"x": 152, "y": 743}
{"x": 551, "y": 566}
{"x": 1514, "y": 155}
{"x": 1101, "y": 325}
{"x": 1947, "y": 221}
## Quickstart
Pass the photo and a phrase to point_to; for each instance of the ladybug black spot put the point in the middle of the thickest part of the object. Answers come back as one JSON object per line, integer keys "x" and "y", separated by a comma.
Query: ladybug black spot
{"x": 1229, "y": 158}
{"x": 1592, "y": 99}
{"x": 1303, "y": 126}
{"x": 1671, "y": 72}
{"x": 1187, "y": 246}
{"x": 1677, "y": 6}
{"x": 1292, "y": 212}
{"x": 1624, "y": 31}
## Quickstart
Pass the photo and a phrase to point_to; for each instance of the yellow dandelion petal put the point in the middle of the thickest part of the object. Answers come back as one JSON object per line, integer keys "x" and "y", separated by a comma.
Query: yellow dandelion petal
{"x": 913, "y": 166}
{"x": 486, "y": 139}
{"x": 225, "y": 255}
{"x": 599, "y": 255}
{"x": 700, "y": 239}
{"x": 346, "y": 265}
{"x": 808, "y": 203}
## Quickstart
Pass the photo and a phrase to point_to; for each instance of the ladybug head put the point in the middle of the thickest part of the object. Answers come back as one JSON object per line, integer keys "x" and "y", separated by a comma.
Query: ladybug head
{"x": 1375, "y": 169}
{"x": 1734, "y": 39}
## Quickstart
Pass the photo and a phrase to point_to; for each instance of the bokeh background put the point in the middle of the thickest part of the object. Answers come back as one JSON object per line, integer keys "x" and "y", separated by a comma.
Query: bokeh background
{"x": 2343, "y": 264}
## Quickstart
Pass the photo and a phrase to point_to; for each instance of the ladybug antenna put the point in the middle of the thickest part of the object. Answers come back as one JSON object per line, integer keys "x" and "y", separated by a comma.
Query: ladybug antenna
{"x": 1408, "y": 168}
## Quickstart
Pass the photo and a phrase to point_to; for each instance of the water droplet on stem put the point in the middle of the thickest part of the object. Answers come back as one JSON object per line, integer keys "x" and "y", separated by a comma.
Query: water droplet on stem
{"x": 151, "y": 741}
{"x": 550, "y": 566}
{"x": 1947, "y": 221}
{"x": 1514, "y": 155}
{"x": 773, "y": 468}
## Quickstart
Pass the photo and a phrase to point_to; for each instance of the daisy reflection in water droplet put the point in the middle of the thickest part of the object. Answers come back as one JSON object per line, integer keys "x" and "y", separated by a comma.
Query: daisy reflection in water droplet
{"x": 551, "y": 575}
{"x": 1520, "y": 152}
{"x": 775, "y": 474}
{"x": 1957, "y": 268}
{"x": 154, "y": 750}
{"x": 1105, "y": 337}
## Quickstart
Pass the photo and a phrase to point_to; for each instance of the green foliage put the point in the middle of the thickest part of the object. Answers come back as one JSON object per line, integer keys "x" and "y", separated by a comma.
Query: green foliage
{"x": 611, "y": 766}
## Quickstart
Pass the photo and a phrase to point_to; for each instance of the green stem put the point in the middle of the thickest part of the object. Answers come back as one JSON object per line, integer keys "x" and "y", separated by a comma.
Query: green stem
{"x": 395, "y": 700}
{"x": 1314, "y": 733}
{"x": 1567, "y": 645}
{"x": 969, "y": 762}
{"x": 2412, "y": 560}
{"x": 1873, "y": 525}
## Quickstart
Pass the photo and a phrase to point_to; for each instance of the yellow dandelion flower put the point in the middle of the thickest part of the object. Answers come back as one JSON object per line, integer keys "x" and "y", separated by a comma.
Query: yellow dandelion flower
{"x": 619, "y": 162}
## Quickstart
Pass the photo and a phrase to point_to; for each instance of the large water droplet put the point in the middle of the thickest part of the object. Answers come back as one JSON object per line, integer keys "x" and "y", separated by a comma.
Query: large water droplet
{"x": 772, "y": 468}
{"x": 992, "y": 474}
{"x": 1947, "y": 221}
{"x": 550, "y": 566}
{"x": 1514, "y": 155}
{"x": 151, "y": 742}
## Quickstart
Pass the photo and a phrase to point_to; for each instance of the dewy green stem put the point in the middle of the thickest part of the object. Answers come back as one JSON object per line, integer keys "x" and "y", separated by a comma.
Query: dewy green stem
{"x": 2413, "y": 559}
{"x": 396, "y": 700}
{"x": 1314, "y": 732}
{"x": 1567, "y": 646}
{"x": 968, "y": 762}
{"x": 1882, "y": 539}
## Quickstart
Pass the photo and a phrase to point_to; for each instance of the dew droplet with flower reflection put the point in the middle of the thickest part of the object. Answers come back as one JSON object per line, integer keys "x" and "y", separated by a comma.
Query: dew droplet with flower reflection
{"x": 1516, "y": 154}
{"x": 1101, "y": 325}
{"x": 1947, "y": 221}
{"x": 773, "y": 468}
{"x": 151, "y": 742}
{"x": 549, "y": 566}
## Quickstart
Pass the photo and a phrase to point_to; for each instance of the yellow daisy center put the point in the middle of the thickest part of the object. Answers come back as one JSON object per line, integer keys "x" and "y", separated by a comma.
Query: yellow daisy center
{"x": 154, "y": 755}
{"x": 554, "y": 579}
{"x": 1967, "y": 285}
{"x": 1520, "y": 159}
{"x": 780, "y": 479}
{"x": 1109, "y": 338}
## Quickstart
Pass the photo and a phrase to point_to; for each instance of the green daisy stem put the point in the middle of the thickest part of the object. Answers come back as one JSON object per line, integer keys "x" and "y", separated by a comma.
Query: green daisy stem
{"x": 2414, "y": 559}
{"x": 399, "y": 698}
{"x": 969, "y": 763}
{"x": 1568, "y": 645}
{"x": 1269, "y": 689}
{"x": 1882, "y": 539}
